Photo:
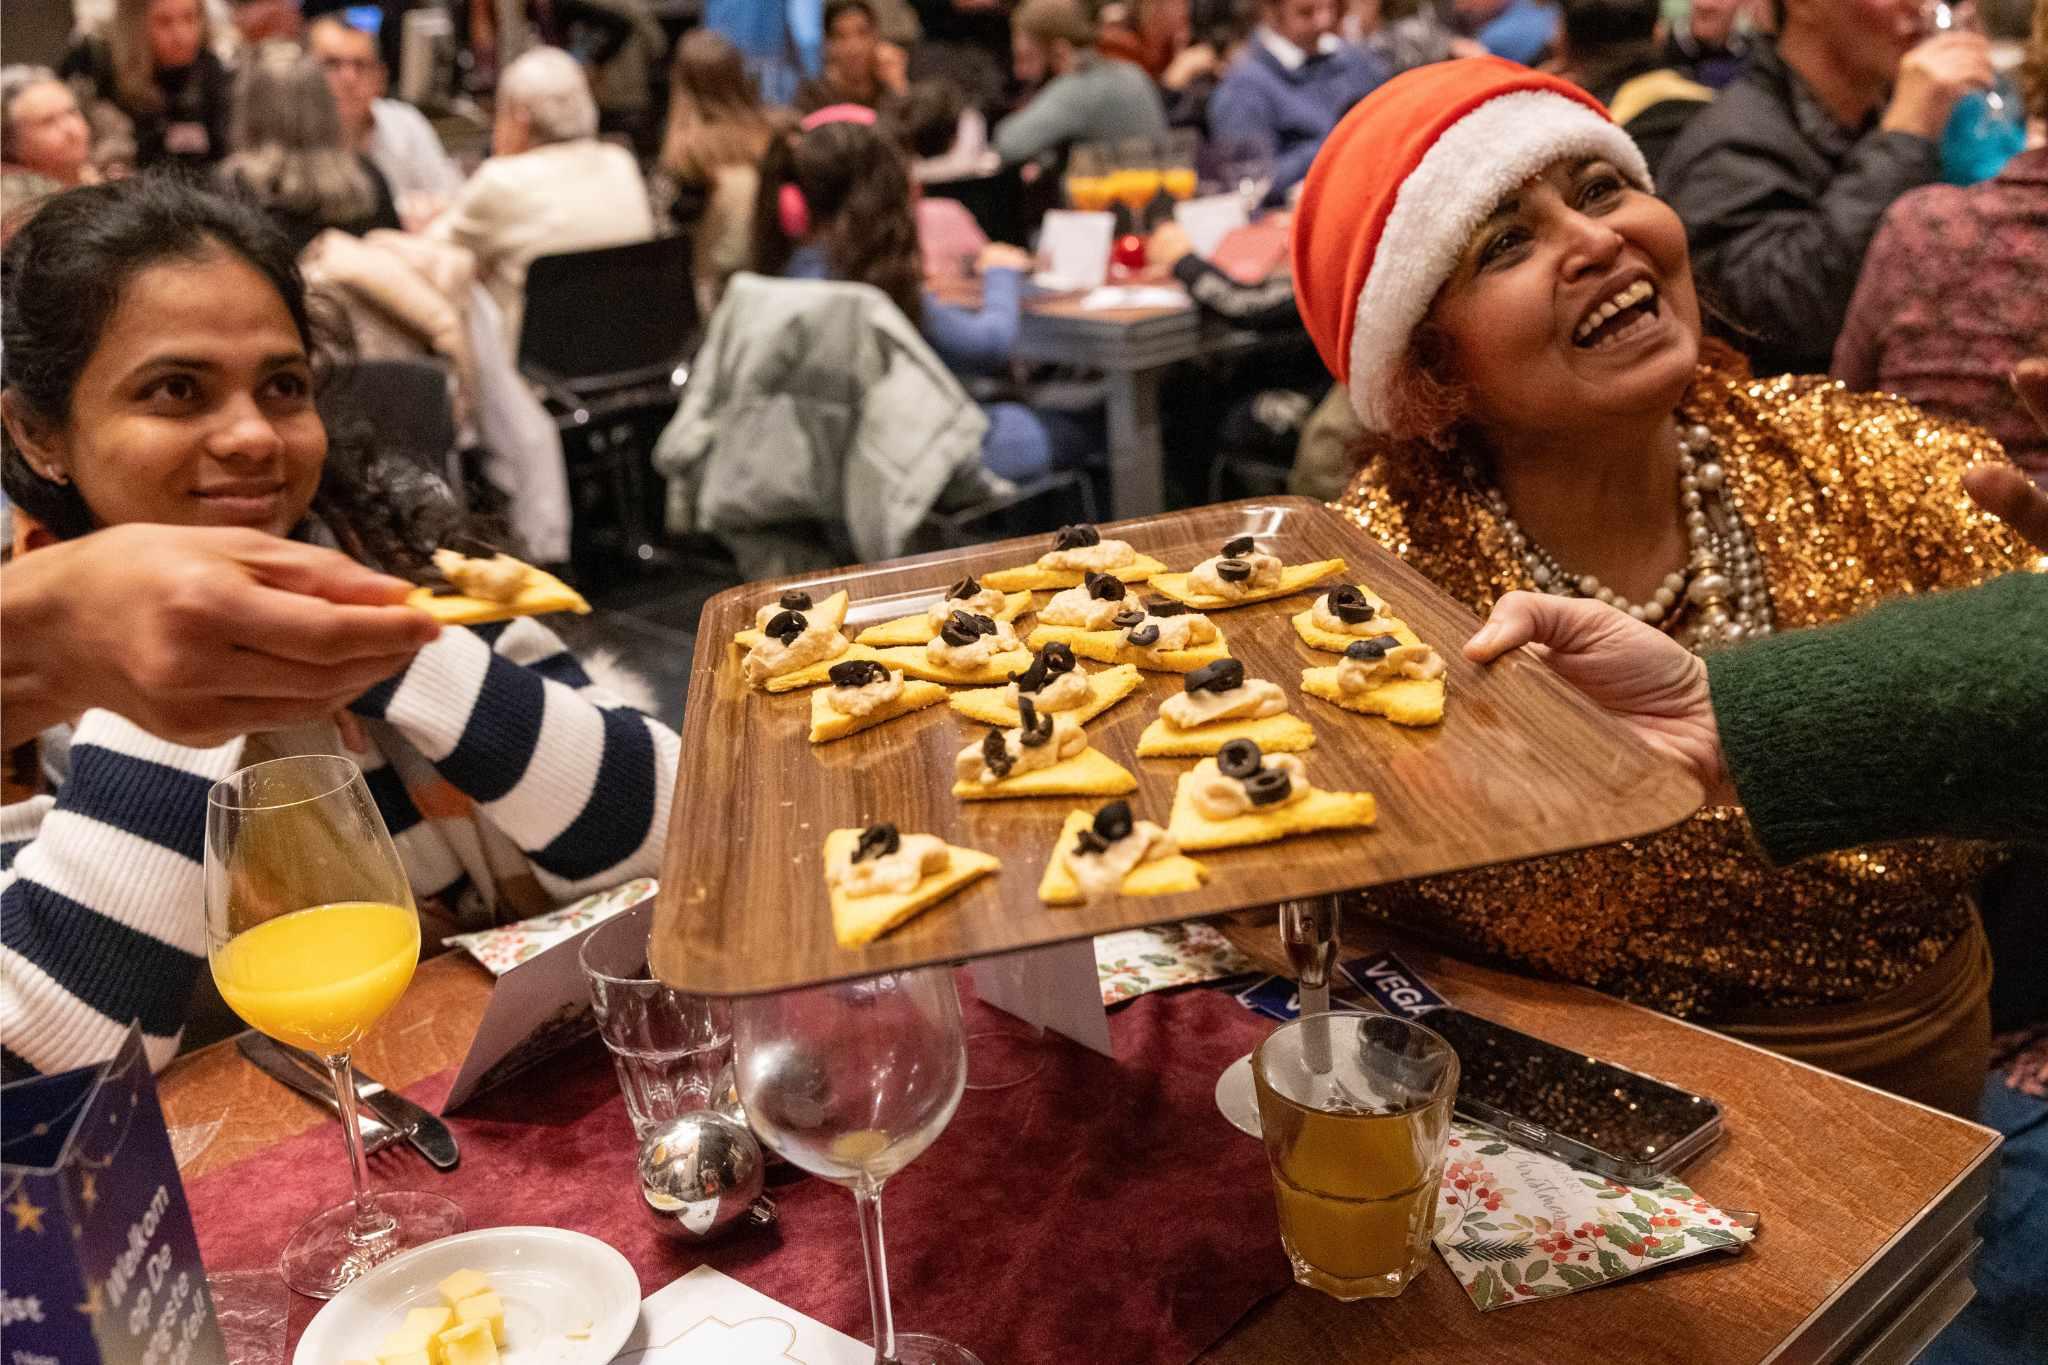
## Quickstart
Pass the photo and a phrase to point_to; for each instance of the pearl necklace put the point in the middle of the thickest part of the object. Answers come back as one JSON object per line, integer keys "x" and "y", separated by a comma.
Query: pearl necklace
{"x": 1723, "y": 576}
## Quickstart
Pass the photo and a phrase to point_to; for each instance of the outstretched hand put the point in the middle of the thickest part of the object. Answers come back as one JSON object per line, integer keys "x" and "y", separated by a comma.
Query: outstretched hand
{"x": 2004, "y": 491}
{"x": 1634, "y": 672}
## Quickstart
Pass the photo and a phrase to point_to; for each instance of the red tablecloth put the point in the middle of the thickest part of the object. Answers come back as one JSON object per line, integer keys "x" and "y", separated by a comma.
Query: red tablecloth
{"x": 1102, "y": 1211}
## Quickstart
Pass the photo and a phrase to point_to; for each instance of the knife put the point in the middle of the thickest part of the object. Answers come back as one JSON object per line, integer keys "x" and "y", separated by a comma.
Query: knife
{"x": 376, "y": 1133}
{"x": 424, "y": 1130}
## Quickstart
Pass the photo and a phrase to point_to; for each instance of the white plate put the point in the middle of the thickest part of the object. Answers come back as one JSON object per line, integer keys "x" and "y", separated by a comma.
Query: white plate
{"x": 552, "y": 1282}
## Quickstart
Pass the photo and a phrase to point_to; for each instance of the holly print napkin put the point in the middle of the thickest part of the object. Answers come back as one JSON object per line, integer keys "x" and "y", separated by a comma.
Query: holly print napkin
{"x": 1515, "y": 1225}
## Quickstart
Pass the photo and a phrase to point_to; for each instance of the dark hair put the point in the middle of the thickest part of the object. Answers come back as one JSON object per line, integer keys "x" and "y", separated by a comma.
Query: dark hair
{"x": 1590, "y": 26}
{"x": 856, "y": 191}
{"x": 62, "y": 276}
{"x": 925, "y": 118}
{"x": 835, "y": 8}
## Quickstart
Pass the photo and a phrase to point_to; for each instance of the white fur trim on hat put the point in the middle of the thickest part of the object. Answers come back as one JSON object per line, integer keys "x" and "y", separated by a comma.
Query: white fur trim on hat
{"x": 1467, "y": 171}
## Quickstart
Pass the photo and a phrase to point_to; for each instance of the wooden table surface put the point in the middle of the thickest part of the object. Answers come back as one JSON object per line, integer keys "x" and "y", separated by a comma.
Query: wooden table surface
{"x": 1866, "y": 1201}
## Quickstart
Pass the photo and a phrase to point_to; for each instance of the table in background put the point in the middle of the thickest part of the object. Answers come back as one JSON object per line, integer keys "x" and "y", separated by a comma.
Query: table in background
{"x": 1868, "y": 1202}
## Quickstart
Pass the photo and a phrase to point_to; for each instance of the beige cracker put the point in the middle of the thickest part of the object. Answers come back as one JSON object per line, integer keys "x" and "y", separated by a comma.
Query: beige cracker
{"x": 1281, "y": 734}
{"x": 857, "y": 920}
{"x": 542, "y": 593}
{"x": 1315, "y": 637}
{"x": 1293, "y": 578}
{"x": 832, "y": 609}
{"x": 1088, "y": 773}
{"x": 1161, "y": 877}
{"x": 1105, "y": 689}
{"x": 829, "y": 723}
{"x": 915, "y": 630}
{"x": 916, "y": 663}
{"x": 1319, "y": 810}
{"x": 1404, "y": 701}
{"x": 1031, "y": 576}
{"x": 1110, "y": 647}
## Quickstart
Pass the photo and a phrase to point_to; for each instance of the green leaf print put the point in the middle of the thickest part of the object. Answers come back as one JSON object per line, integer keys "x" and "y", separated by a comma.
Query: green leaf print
{"x": 1647, "y": 1204}
{"x": 1493, "y": 1149}
{"x": 1611, "y": 1265}
{"x": 1536, "y": 1271}
{"x": 1487, "y": 1291}
{"x": 1712, "y": 1237}
{"x": 1476, "y": 1249}
{"x": 1636, "y": 1221}
{"x": 1511, "y": 1272}
{"x": 1578, "y": 1277}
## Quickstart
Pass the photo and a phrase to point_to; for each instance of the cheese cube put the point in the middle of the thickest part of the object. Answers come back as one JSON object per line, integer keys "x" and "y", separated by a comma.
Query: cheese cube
{"x": 463, "y": 1284}
{"x": 469, "y": 1344}
{"x": 484, "y": 1307}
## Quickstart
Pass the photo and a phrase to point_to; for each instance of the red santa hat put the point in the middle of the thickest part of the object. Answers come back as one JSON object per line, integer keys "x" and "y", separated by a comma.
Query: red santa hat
{"x": 1400, "y": 186}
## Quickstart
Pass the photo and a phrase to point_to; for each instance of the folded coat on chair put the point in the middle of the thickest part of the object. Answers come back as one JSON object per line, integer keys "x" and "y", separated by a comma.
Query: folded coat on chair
{"x": 816, "y": 423}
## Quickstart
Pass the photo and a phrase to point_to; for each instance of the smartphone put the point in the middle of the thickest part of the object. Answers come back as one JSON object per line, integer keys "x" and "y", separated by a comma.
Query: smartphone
{"x": 1592, "y": 1114}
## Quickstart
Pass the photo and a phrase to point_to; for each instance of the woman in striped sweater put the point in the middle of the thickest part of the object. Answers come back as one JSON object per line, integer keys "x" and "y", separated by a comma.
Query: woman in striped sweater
{"x": 160, "y": 368}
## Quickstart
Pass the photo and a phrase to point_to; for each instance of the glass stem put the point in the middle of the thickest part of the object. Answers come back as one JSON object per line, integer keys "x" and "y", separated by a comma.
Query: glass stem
{"x": 867, "y": 1198}
{"x": 370, "y": 1223}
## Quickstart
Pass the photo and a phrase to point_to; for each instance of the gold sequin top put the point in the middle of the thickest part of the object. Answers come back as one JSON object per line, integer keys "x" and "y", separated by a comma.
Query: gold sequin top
{"x": 1852, "y": 498}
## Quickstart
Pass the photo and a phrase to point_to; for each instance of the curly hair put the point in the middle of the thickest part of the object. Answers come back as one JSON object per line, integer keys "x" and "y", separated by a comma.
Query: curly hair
{"x": 856, "y": 193}
{"x": 63, "y": 274}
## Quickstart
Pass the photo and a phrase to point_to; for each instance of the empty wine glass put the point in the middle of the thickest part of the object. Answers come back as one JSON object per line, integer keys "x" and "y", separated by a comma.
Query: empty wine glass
{"x": 851, "y": 1082}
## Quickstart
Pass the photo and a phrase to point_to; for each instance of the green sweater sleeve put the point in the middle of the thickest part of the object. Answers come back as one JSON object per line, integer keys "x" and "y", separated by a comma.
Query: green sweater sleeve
{"x": 1926, "y": 716}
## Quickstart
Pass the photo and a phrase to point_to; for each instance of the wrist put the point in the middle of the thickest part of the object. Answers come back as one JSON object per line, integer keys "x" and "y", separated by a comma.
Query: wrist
{"x": 1920, "y": 117}
{"x": 36, "y": 689}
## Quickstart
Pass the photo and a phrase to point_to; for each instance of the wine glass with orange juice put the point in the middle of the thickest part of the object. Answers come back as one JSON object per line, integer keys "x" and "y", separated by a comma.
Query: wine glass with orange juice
{"x": 1090, "y": 187}
{"x": 1137, "y": 178}
{"x": 312, "y": 935}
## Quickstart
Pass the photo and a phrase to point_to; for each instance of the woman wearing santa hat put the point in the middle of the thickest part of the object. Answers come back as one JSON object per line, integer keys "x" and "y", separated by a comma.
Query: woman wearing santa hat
{"x": 1480, "y": 259}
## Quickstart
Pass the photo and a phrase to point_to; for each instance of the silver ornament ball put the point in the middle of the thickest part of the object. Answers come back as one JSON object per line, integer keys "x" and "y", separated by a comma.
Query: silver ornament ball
{"x": 700, "y": 1173}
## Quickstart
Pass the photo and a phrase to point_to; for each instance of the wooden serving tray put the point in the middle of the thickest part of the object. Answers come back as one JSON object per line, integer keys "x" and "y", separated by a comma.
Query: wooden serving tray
{"x": 1521, "y": 766}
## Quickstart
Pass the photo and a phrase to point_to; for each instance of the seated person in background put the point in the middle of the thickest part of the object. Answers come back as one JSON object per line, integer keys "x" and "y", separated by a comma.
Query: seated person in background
{"x": 289, "y": 155}
{"x": 1088, "y": 98}
{"x": 160, "y": 369}
{"x": 1782, "y": 181}
{"x": 45, "y": 143}
{"x": 1221, "y": 30}
{"x": 1954, "y": 292}
{"x": 1292, "y": 83}
{"x": 836, "y": 204}
{"x": 710, "y": 165}
{"x": 1542, "y": 413}
{"x": 154, "y": 63}
{"x": 1405, "y": 33}
{"x": 550, "y": 185}
{"x": 859, "y": 67}
{"x": 1149, "y": 34}
{"x": 1519, "y": 30}
{"x": 264, "y": 21}
{"x": 947, "y": 137}
{"x": 925, "y": 122}
{"x": 396, "y": 137}
{"x": 1610, "y": 48}
{"x": 1707, "y": 45}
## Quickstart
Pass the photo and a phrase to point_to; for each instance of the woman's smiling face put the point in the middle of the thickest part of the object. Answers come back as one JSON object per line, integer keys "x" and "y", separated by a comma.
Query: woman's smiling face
{"x": 1572, "y": 302}
{"x": 195, "y": 408}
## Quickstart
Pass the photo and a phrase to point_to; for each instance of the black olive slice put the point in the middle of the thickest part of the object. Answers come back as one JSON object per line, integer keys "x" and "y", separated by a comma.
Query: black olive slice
{"x": 1104, "y": 587}
{"x": 1240, "y": 758}
{"x": 1233, "y": 570}
{"x": 1350, "y": 605}
{"x": 1113, "y": 821}
{"x": 1168, "y": 607}
{"x": 1243, "y": 545}
{"x": 857, "y": 673}
{"x": 1057, "y": 657}
{"x": 995, "y": 754}
{"x": 1221, "y": 676}
{"x": 1371, "y": 651}
{"x": 786, "y": 626}
{"x": 965, "y": 627}
{"x": 876, "y": 841}
{"x": 1076, "y": 537}
{"x": 966, "y": 587}
{"x": 1143, "y": 636}
{"x": 796, "y": 599}
{"x": 1268, "y": 786}
{"x": 1088, "y": 841}
{"x": 1124, "y": 620}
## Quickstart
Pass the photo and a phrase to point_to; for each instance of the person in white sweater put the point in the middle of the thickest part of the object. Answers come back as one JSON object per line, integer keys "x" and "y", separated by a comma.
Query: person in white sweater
{"x": 550, "y": 186}
{"x": 160, "y": 370}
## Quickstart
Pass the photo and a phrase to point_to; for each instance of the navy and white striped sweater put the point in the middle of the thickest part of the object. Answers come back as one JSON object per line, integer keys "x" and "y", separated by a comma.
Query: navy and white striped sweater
{"x": 102, "y": 912}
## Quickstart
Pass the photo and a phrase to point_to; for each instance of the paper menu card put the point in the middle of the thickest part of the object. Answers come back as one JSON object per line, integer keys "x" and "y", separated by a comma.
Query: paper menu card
{"x": 1209, "y": 219}
{"x": 708, "y": 1316}
{"x": 1515, "y": 1226}
{"x": 1055, "y": 987}
{"x": 540, "y": 1002}
{"x": 1073, "y": 249}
